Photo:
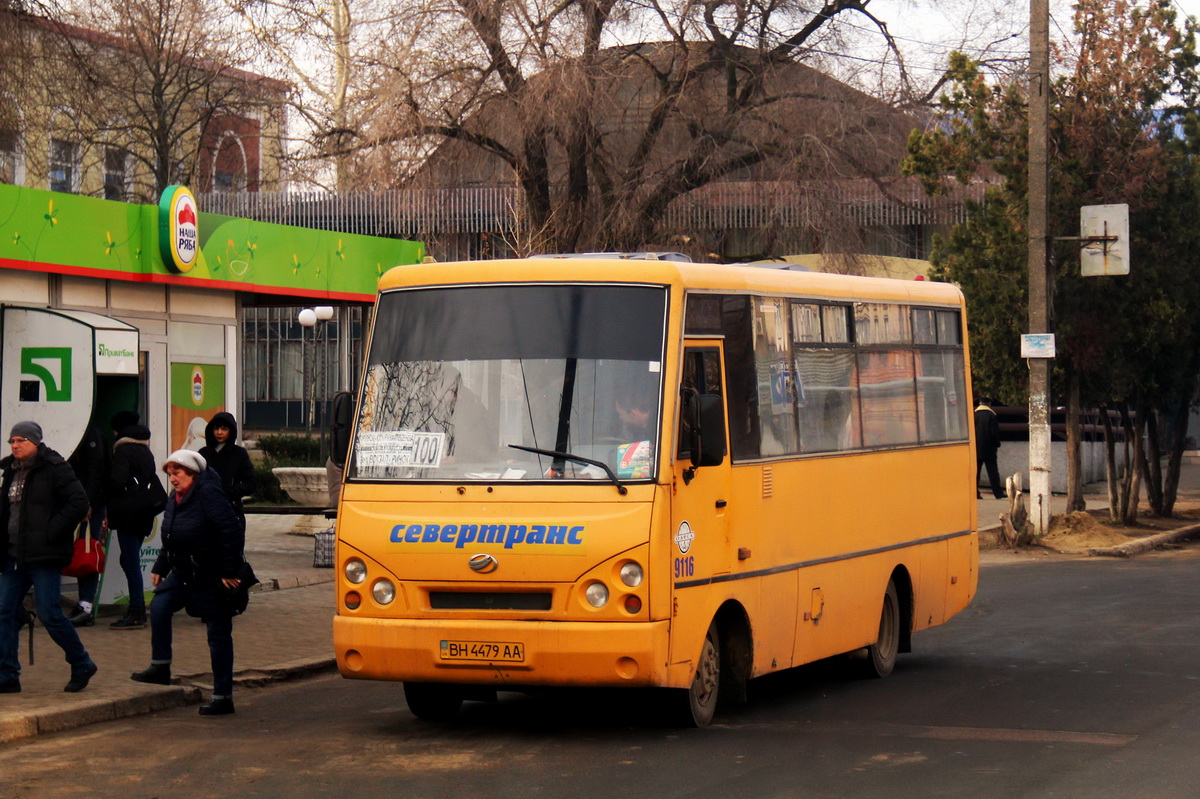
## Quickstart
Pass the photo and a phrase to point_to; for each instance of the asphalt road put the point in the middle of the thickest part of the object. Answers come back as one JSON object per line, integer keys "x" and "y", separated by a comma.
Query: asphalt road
{"x": 1065, "y": 678}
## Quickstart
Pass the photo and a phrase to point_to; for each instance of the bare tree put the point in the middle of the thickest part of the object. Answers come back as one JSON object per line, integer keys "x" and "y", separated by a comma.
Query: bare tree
{"x": 602, "y": 138}
{"x": 156, "y": 75}
{"x": 325, "y": 48}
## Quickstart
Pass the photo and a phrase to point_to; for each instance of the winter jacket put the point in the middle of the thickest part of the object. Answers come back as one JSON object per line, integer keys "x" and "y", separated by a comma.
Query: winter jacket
{"x": 91, "y": 464}
{"x": 202, "y": 537}
{"x": 131, "y": 458}
{"x": 53, "y": 504}
{"x": 987, "y": 432}
{"x": 231, "y": 461}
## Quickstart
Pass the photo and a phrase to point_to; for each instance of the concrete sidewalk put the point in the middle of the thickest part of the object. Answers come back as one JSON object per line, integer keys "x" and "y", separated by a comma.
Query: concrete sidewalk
{"x": 287, "y": 631}
{"x": 1094, "y": 494}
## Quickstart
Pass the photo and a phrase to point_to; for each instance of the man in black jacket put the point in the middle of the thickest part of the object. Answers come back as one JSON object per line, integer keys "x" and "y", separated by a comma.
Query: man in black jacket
{"x": 987, "y": 441}
{"x": 40, "y": 505}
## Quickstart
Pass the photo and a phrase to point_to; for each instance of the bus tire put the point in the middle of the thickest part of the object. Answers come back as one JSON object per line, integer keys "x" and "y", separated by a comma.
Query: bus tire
{"x": 433, "y": 701}
{"x": 881, "y": 655}
{"x": 696, "y": 705}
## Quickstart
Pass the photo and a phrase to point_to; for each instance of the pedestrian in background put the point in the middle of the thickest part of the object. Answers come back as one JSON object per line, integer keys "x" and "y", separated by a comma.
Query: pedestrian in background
{"x": 90, "y": 462}
{"x": 198, "y": 567}
{"x": 135, "y": 496}
{"x": 40, "y": 505}
{"x": 987, "y": 442}
{"x": 229, "y": 460}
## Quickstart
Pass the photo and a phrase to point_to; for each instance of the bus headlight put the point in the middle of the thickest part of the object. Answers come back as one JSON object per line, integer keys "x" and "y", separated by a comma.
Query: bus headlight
{"x": 597, "y": 595}
{"x": 356, "y": 571}
{"x": 383, "y": 591}
{"x": 631, "y": 574}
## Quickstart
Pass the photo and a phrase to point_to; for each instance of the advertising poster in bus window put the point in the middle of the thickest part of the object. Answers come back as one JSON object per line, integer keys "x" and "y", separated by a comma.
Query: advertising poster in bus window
{"x": 197, "y": 395}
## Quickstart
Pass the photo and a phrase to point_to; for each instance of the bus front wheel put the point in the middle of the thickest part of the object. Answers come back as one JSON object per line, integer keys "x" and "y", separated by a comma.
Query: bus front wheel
{"x": 881, "y": 655}
{"x": 697, "y": 704}
{"x": 433, "y": 701}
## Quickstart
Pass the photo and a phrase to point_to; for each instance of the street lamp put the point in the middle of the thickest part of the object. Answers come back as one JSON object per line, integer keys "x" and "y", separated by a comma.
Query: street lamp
{"x": 308, "y": 318}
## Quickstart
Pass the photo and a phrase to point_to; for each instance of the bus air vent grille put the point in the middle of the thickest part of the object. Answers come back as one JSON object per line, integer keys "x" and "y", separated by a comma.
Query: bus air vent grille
{"x": 481, "y": 600}
{"x": 768, "y": 482}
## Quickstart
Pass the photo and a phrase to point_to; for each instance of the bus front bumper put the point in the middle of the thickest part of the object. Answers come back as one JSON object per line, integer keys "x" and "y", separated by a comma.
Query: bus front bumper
{"x": 507, "y": 653}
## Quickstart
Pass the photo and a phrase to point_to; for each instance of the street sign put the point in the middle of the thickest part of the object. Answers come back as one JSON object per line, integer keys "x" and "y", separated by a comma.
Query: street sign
{"x": 1104, "y": 234}
{"x": 1037, "y": 345}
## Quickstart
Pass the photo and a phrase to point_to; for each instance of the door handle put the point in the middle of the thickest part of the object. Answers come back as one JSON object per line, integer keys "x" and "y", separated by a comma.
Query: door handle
{"x": 721, "y": 503}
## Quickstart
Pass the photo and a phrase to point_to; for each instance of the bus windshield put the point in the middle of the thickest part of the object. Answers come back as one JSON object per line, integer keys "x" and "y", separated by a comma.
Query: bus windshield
{"x": 513, "y": 382}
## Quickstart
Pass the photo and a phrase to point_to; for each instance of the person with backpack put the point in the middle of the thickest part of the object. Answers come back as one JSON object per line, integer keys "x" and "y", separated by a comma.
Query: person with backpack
{"x": 229, "y": 460}
{"x": 134, "y": 496}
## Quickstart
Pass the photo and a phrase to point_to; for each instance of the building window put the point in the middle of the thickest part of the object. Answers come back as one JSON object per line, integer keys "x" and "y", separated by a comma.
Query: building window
{"x": 9, "y": 156}
{"x": 116, "y": 174}
{"x": 64, "y": 165}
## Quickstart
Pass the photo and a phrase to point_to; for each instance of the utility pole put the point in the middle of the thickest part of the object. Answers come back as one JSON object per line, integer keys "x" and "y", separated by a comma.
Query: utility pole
{"x": 1039, "y": 290}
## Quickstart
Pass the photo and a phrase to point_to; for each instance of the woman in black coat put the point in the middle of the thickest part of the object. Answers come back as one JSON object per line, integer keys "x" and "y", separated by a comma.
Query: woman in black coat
{"x": 130, "y": 513}
{"x": 198, "y": 569}
{"x": 229, "y": 460}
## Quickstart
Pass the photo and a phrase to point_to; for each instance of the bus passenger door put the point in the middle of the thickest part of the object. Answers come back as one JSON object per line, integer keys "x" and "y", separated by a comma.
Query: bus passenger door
{"x": 701, "y": 548}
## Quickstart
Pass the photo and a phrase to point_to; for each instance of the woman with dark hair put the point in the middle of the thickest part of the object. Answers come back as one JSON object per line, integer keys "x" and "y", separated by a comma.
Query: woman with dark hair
{"x": 228, "y": 459}
{"x": 134, "y": 497}
{"x": 198, "y": 569}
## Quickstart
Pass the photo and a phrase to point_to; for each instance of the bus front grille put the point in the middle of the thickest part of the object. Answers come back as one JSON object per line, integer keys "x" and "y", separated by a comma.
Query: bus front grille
{"x": 479, "y": 600}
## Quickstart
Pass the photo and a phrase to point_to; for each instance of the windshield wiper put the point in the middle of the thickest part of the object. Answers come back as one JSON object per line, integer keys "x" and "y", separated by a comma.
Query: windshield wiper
{"x": 566, "y": 456}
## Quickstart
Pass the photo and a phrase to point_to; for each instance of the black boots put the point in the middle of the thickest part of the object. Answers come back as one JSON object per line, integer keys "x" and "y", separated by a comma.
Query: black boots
{"x": 158, "y": 673}
{"x": 217, "y": 706}
{"x": 80, "y": 679}
{"x": 133, "y": 620}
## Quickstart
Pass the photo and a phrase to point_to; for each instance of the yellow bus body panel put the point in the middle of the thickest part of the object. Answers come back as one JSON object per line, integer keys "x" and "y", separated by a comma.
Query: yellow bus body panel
{"x": 802, "y": 548}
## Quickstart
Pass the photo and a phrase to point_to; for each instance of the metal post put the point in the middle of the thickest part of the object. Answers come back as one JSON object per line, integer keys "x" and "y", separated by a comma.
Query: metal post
{"x": 1039, "y": 294}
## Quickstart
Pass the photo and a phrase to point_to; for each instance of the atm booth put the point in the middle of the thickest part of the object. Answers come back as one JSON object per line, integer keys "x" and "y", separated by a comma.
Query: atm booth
{"x": 108, "y": 306}
{"x": 66, "y": 370}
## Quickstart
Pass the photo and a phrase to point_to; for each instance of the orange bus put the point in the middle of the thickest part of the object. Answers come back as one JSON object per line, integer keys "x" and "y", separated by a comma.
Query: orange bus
{"x": 644, "y": 472}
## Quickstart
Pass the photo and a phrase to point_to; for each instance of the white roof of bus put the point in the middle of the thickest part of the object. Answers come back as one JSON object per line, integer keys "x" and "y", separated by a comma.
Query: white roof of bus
{"x": 731, "y": 278}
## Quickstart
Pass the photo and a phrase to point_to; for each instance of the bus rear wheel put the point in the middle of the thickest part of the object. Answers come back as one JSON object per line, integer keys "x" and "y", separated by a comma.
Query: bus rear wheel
{"x": 433, "y": 701}
{"x": 696, "y": 705}
{"x": 881, "y": 655}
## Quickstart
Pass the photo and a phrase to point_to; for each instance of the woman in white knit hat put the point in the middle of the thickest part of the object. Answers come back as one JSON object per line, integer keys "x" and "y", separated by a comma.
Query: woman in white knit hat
{"x": 197, "y": 569}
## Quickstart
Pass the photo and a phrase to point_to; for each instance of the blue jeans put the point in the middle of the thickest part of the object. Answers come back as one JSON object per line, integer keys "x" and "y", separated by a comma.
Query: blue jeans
{"x": 15, "y": 581}
{"x": 131, "y": 564}
{"x": 171, "y": 597}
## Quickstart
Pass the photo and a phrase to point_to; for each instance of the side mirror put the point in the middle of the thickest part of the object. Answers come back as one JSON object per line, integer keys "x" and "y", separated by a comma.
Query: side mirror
{"x": 341, "y": 419}
{"x": 708, "y": 429}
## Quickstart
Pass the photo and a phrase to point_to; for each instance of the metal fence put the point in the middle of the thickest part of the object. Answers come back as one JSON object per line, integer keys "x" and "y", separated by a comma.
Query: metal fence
{"x": 478, "y": 222}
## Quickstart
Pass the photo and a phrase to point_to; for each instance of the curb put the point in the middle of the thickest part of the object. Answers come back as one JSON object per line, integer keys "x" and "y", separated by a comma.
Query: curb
{"x": 293, "y": 581}
{"x": 1146, "y": 544}
{"x": 188, "y": 690}
{"x": 82, "y": 712}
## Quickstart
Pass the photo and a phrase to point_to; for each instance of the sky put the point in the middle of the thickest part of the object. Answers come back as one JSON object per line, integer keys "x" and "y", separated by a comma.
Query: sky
{"x": 927, "y": 30}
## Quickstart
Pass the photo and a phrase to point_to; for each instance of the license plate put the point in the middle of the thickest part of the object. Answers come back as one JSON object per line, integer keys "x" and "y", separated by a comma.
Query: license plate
{"x": 501, "y": 651}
